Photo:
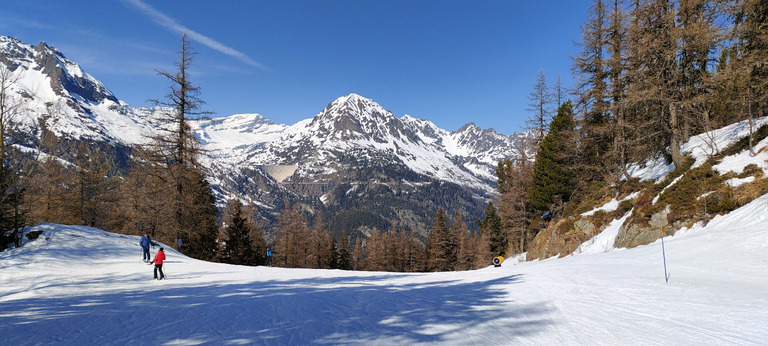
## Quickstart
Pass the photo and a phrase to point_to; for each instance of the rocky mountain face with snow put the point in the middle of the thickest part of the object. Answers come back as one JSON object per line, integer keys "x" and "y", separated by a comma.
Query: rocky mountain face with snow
{"x": 52, "y": 99}
{"x": 367, "y": 167}
{"x": 355, "y": 163}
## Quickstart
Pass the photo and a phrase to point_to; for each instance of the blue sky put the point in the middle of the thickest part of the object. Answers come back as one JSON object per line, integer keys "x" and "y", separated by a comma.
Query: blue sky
{"x": 451, "y": 62}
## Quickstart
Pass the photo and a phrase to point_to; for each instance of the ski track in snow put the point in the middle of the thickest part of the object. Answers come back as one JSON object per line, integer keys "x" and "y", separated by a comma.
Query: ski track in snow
{"x": 78, "y": 285}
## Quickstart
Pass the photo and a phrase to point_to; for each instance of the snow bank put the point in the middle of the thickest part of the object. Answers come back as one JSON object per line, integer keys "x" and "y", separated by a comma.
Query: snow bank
{"x": 707, "y": 144}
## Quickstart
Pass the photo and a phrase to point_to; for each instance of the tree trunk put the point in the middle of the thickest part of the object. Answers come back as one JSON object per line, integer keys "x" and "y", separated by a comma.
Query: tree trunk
{"x": 677, "y": 156}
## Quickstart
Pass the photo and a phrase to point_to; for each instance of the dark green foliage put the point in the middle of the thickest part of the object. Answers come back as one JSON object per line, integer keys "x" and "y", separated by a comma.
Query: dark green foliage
{"x": 333, "y": 254}
{"x": 754, "y": 41}
{"x": 259, "y": 246}
{"x": 678, "y": 171}
{"x": 345, "y": 257}
{"x": 349, "y": 220}
{"x": 199, "y": 221}
{"x": 553, "y": 174}
{"x": 238, "y": 247}
{"x": 491, "y": 225}
{"x": 12, "y": 215}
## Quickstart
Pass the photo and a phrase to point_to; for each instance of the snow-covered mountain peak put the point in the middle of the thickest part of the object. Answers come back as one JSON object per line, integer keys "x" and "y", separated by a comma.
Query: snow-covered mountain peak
{"x": 66, "y": 77}
{"x": 354, "y": 106}
{"x": 79, "y": 106}
{"x": 354, "y": 117}
{"x": 470, "y": 128}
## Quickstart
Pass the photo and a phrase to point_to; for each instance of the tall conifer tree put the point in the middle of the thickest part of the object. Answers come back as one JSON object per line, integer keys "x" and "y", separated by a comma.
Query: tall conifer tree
{"x": 491, "y": 227}
{"x": 553, "y": 177}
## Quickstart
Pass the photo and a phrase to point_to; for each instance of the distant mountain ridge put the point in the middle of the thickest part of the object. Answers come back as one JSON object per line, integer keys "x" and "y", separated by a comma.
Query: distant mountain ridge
{"x": 355, "y": 163}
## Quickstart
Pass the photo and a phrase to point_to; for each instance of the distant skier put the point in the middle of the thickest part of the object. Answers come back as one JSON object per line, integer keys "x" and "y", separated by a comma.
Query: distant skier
{"x": 145, "y": 242}
{"x": 269, "y": 257}
{"x": 158, "y": 261}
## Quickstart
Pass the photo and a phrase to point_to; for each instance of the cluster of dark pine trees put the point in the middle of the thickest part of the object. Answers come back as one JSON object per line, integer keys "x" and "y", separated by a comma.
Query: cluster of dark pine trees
{"x": 294, "y": 244}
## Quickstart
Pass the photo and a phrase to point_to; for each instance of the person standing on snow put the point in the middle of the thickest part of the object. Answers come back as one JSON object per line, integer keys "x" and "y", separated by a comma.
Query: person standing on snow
{"x": 145, "y": 242}
{"x": 269, "y": 257}
{"x": 158, "y": 261}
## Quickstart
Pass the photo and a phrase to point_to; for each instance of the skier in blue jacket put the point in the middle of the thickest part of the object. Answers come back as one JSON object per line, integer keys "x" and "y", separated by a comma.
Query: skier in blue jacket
{"x": 145, "y": 242}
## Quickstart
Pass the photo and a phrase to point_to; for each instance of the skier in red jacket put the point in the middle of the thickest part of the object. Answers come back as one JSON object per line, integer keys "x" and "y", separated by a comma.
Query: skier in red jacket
{"x": 158, "y": 261}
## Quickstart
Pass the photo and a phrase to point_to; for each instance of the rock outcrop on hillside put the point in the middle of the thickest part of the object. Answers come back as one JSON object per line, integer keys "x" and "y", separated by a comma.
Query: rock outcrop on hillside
{"x": 676, "y": 199}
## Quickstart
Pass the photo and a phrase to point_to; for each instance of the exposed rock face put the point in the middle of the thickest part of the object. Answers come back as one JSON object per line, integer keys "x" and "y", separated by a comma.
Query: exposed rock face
{"x": 633, "y": 234}
{"x": 586, "y": 227}
{"x": 67, "y": 75}
{"x": 561, "y": 238}
{"x": 564, "y": 236}
{"x": 546, "y": 244}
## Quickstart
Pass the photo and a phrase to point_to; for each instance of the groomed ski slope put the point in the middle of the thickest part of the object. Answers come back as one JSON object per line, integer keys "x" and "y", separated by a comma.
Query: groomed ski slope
{"x": 78, "y": 285}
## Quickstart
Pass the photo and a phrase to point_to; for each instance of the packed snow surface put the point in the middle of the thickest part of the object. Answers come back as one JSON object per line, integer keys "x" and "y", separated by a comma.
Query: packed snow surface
{"x": 79, "y": 285}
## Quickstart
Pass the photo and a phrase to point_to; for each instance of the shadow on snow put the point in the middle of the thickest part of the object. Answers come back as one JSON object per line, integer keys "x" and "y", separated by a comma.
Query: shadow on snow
{"x": 357, "y": 309}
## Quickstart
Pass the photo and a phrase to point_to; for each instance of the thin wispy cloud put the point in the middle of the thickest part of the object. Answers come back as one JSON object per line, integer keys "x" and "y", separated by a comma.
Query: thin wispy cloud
{"x": 12, "y": 21}
{"x": 171, "y": 24}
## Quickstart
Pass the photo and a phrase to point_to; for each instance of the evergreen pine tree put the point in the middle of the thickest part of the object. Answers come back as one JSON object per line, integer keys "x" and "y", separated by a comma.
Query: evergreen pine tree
{"x": 333, "y": 254}
{"x": 259, "y": 246}
{"x": 238, "y": 248}
{"x": 345, "y": 257}
{"x": 553, "y": 176}
{"x": 491, "y": 226}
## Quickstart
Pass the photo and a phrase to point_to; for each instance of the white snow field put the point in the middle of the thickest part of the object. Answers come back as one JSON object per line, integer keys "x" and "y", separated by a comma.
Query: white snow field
{"x": 78, "y": 285}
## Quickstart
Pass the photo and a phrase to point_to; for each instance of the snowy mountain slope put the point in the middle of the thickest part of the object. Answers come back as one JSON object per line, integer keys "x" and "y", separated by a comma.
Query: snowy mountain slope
{"x": 475, "y": 149}
{"x": 73, "y": 104}
{"x": 82, "y": 285}
{"x": 236, "y": 133}
{"x": 353, "y": 123}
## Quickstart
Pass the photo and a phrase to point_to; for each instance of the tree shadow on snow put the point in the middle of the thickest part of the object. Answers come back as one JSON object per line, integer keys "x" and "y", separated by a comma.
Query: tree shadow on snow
{"x": 383, "y": 309}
